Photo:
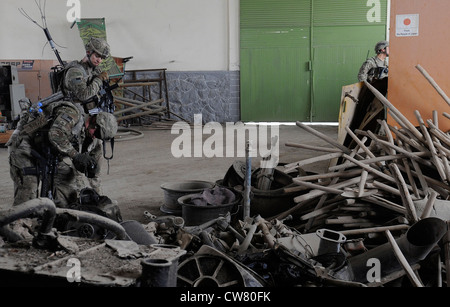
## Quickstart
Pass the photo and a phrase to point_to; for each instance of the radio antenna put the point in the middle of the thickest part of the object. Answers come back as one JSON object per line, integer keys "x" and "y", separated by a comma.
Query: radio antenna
{"x": 43, "y": 27}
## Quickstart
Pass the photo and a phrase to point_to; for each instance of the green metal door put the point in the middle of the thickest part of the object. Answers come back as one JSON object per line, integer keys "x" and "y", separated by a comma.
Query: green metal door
{"x": 297, "y": 54}
{"x": 275, "y": 51}
{"x": 342, "y": 39}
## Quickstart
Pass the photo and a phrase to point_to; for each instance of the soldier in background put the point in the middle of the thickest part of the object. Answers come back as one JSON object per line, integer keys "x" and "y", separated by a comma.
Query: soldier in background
{"x": 82, "y": 80}
{"x": 376, "y": 67}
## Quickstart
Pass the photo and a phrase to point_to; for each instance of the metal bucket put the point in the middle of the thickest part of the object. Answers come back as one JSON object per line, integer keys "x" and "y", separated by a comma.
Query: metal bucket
{"x": 174, "y": 190}
{"x": 195, "y": 215}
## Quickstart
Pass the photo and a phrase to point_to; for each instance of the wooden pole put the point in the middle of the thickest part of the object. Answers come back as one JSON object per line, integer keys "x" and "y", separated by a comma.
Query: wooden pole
{"x": 324, "y": 137}
{"x": 429, "y": 205}
{"x": 433, "y": 83}
{"x": 401, "y": 258}
{"x": 393, "y": 109}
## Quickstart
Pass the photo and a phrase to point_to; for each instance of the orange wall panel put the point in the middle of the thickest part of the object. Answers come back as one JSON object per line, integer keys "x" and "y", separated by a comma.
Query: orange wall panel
{"x": 34, "y": 74}
{"x": 408, "y": 89}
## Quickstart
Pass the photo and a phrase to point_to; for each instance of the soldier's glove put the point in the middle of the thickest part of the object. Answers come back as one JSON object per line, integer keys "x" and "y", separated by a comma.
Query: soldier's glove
{"x": 104, "y": 76}
{"x": 84, "y": 163}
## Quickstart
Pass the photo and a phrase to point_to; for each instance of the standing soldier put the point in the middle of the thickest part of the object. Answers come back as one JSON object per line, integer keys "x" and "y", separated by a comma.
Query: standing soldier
{"x": 82, "y": 80}
{"x": 376, "y": 67}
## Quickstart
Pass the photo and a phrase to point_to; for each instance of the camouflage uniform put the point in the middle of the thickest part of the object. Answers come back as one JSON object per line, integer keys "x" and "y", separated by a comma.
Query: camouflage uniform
{"x": 63, "y": 135}
{"x": 373, "y": 69}
{"x": 66, "y": 134}
{"x": 81, "y": 83}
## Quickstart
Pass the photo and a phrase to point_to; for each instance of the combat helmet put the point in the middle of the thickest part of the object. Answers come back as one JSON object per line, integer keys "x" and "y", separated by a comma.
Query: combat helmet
{"x": 380, "y": 46}
{"x": 107, "y": 126}
{"x": 99, "y": 46}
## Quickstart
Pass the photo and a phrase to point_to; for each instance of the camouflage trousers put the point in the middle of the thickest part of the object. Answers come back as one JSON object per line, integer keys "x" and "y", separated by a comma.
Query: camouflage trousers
{"x": 27, "y": 187}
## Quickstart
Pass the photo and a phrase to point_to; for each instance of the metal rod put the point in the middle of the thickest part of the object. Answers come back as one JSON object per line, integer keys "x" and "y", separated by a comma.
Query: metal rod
{"x": 136, "y": 84}
{"x": 140, "y": 114}
{"x": 248, "y": 179}
{"x": 373, "y": 229}
{"x": 138, "y": 106}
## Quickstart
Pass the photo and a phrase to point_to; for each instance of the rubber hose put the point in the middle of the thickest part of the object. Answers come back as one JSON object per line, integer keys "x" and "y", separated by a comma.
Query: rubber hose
{"x": 101, "y": 221}
{"x": 140, "y": 134}
{"x": 30, "y": 208}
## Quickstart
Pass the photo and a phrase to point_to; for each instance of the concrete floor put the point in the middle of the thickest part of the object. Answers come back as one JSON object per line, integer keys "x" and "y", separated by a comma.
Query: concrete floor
{"x": 141, "y": 164}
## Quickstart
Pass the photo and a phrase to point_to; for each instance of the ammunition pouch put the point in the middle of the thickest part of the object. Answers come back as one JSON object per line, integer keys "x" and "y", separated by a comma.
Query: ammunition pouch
{"x": 33, "y": 126}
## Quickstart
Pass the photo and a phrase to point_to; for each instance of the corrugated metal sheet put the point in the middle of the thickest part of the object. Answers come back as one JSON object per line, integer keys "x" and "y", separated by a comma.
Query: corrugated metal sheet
{"x": 338, "y": 55}
{"x": 276, "y": 37}
{"x": 269, "y": 13}
{"x": 275, "y": 50}
{"x": 347, "y": 12}
{"x": 275, "y": 84}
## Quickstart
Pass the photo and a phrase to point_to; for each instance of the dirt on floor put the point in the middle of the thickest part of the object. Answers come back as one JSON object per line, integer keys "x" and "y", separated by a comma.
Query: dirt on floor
{"x": 144, "y": 159}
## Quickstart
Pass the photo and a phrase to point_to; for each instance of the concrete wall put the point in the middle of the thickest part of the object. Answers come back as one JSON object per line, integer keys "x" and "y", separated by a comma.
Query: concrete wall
{"x": 214, "y": 94}
{"x": 180, "y": 35}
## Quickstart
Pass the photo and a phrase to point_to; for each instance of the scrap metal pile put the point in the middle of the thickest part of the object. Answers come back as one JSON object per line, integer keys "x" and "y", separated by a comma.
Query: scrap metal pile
{"x": 378, "y": 217}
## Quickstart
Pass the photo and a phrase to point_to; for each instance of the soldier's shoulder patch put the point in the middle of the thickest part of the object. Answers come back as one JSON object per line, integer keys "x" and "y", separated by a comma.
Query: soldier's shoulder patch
{"x": 67, "y": 117}
{"x": 77, "y": 80}
{"x": 75, "y": 75}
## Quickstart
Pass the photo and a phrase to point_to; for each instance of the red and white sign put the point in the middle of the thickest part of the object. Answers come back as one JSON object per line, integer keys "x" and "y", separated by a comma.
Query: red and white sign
{"x": 407, "y": 25}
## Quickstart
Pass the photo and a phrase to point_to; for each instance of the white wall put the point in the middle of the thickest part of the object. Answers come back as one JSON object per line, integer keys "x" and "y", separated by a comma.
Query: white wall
{"x": 180, "y": 35}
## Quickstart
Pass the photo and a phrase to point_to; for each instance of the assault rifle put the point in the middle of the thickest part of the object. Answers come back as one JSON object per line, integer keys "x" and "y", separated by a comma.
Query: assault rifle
{"x": 104, "y": 101}
{"x": 45, "y": 169}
